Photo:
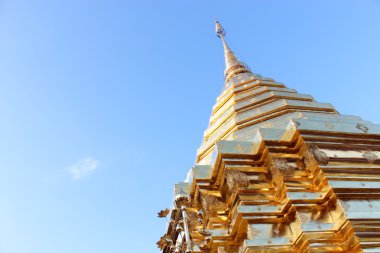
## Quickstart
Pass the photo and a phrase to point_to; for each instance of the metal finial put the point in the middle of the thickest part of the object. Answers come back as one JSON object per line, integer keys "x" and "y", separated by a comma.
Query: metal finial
{"x": 220, "y": 32}
{"x": 233, "y": 65}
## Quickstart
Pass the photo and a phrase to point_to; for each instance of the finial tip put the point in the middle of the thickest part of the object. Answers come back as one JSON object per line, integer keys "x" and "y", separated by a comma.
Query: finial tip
{"x": 219, "y": 29}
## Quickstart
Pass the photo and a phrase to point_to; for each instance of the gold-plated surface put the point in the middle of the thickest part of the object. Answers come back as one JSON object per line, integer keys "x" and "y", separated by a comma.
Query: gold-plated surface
{"x": 233, "y": 65}
{"x": 278, "y": 171}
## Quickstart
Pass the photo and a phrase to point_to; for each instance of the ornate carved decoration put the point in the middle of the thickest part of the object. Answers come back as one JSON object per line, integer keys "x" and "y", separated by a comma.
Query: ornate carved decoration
{"x": 163, "y": 213}
{"x": 193, "y": 202}
{"x": 308, "y": 158}
{"x": 193, "y": 219}
{"x": 320, "y": 156}
{"x": 370, "y": 156}
{"x": 252, "y": 233}
{"x": 211, "y": 203}
{"x": 164, "y": 241}
{"x": 276, "y": 174}
{"x": 182, "y": 201}
{"x": 236, "y": 179}
{"x": 284, "y": 167}
{"x": 362, "y": 127}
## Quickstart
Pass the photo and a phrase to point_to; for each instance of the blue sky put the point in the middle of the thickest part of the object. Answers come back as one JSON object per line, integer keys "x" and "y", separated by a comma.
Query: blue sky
{"x": 103, "y": 103}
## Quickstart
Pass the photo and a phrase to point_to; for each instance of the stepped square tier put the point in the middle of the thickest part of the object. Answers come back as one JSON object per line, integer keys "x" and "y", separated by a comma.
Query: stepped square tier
{"x": 277, "y": 171}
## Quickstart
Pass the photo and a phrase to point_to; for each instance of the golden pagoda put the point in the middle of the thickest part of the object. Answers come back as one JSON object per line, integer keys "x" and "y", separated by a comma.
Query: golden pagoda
{"x": 277, "y": 171}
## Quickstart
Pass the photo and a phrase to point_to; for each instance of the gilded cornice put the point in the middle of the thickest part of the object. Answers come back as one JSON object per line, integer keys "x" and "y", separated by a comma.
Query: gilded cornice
{"x": 277, "y": 171}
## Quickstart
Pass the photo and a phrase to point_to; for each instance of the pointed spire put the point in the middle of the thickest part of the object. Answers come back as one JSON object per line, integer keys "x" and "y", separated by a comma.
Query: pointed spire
{"x": 233, "y": 65}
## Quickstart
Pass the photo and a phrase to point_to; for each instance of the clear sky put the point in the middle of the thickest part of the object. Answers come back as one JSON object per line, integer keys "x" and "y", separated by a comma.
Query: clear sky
{"x": 103, "y": 103}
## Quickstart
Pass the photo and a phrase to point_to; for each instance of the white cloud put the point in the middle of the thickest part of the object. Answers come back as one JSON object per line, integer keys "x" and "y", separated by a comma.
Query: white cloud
{"x": 83, "y": 168}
